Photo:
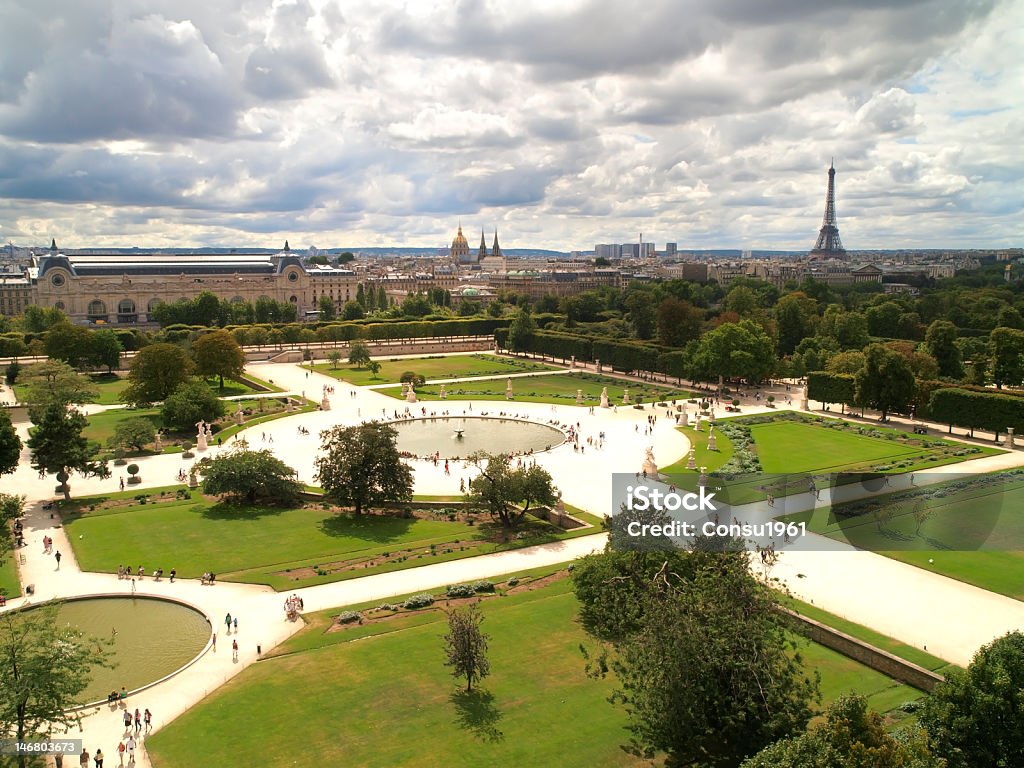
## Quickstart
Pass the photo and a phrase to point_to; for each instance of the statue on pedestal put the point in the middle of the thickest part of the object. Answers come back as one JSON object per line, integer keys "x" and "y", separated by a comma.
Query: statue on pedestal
{"x": 696, "y": 422}
{"x": 625, "y": 396}
{"x": 325, "y": 404}
{"x": 712, "y": 443}
{"x": 201, "y": 444}
{"x": 650, "y": 468}
{"x": 508, "y": 389}
{"x": 239, "y": 416}
{"x": 158, "y": 445}
{"x": 691, "y": 462}
{"x": 604, "y": 397}
{"x": 579, "y": 397}
{"x": 685, "y": 419}
{"x": 443, "y": 393}
{"x": 410, "y": 396}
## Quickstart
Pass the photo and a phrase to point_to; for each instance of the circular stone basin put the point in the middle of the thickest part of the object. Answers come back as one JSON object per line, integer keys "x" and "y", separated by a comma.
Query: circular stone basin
{"x": 153, "y": 638}
{"x": 462, "y": 435}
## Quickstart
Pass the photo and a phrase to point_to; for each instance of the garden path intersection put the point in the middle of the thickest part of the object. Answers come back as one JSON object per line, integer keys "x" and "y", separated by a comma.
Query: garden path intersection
{"x": 910, "y": 604}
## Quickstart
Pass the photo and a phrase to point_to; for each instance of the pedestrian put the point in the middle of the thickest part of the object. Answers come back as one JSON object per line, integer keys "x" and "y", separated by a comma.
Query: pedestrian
{"x": 214, "y": 641}
{"x": 259, "y": 650}
{"x": 227, "y": 622}
{"x": 83, "y": 759}
{"x": 120, "y": 751}
{"x": 133, "y": 585}
{"x": 234, "y": 650}
{"x": 127, "y": 720}
{"x": 138, "y": 720}
{"x": 174, "y": 573}
{"x": 98, "y": 759}
{"x": 234, "y": 622}
{"x": 123, "y": 696}
{"x": 57, "y": 557}
{"x": 131, "y": 750}
{"x": 122, "y": 483}
{"x": 148, "y": 719}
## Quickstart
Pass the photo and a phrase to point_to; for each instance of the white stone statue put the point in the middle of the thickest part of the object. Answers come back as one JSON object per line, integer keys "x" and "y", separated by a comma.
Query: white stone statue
{"x": 625, "y": 397}
{"x": 410, "y": 396}
{"x": 579, "y": 397}
{"x": 696, "y": 422}
{"x": 691, "y": 463}
{"x": 508, "y": 389}
{"x": 604, "y": 397}
{"x": 712, "y": 443}
{"x": 650, "y": 468}
{"x": 443, "y": 394}
{"x": 158, "y": 445}
{"x": 325, "y": 404}
{"x": 239, "y": 416}
{"x": 685, "y": 418}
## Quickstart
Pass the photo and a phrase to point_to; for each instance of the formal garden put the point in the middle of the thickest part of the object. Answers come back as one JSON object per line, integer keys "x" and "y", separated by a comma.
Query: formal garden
{"x": 314, "y": 542}
{"x": 389, "y": 700}
{"x": 970, "y": 528}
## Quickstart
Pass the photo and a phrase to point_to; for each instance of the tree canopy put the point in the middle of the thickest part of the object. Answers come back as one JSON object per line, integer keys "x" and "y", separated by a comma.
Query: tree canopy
{"x": 193, "y": 401}
{"x": 156, "y": 371}
{"x": 10, "y": 444}
{"x": 886, "y": 381}
{"x": 54, "y": 382}
{"x": 218, "y": 354}
{"x": 243, "y": 475}
{"x": 360, "y": 466}
{"x": 58, "y": 445}
{"x": 359, "y": 354}
{"x": 508, "y": 491}
{"x": 466, "y": 645}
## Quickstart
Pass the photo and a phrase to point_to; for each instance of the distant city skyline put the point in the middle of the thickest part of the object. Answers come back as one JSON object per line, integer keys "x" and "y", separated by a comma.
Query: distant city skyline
{"x": 188, "y": 123}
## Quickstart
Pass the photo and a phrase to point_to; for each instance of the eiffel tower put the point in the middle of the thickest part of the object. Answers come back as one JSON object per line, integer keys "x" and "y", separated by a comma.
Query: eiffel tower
{"x": 828, "y": 245}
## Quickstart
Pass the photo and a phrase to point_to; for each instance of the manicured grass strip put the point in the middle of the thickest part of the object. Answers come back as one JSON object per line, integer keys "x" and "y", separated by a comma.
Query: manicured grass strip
{"x": 9, "y": 585}
{"x": 556, "y": 389}
{"x": 434, "y": 367}
{"x": 794, "y": 447}
{"x": 102, "y": 425}
{"x": 704, "y": 458}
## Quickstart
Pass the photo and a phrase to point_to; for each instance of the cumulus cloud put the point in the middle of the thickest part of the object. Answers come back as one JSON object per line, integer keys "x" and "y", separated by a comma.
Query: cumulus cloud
{"x": 709, "y": 123}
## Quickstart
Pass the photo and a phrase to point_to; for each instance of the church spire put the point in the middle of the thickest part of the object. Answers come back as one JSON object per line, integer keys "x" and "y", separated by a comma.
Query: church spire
{"x": 496, "y": 249}
{"x": 53, "y": 244}
{"x": 482, "y": 253}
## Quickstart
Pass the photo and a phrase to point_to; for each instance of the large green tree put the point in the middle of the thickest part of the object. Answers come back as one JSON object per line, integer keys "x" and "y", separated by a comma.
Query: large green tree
{"x": 10, "y": 444}
{"x": 711, "y": 674}
{"x": 157, "y": 370}
{"x": 642, "y": 307}
{"x": 508, "y": 491}
{"x": 796, "y": 317}
{"x": 45, "y": 665}
{"x": 190, "y": 403}
{"x": 243, "y": 475}
{"x": 359, "y": 354}
{"x": 885, "y": 382}
{"x": 325, "y": 306}
{"x": 940, "y": 342}
{"x": 105, "y": 348}
{"x": 974, "y": 719}
{"x": 12, "y": 507}
{"x": 1007, "y": 357}
{"x": 465, "y": 645}
{"x": 218, "y": 354}
{"x": 520, "y": 332}
{"x": 68, "y": 343}
{"x": 852, "y": 736}
{"x": 58, "y": 446}
{"x": 133, "y": 434}
{"x": 360, "y": 466}
{"x": 736, "y": 350}
{"x": 678, "y": 321}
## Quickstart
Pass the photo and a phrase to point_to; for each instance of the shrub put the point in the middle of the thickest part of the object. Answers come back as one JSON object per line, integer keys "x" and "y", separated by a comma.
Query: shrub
{"x": 419, "y": 601}
{"x": 483, "y": 586}
{"x": 512, "y": 582}
{"x": 459, "y": 590}
{"x": 347, "y": 617}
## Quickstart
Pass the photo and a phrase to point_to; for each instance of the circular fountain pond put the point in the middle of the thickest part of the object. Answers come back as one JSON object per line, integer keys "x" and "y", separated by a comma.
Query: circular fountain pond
{"x": 151, "y": 638}
{"x": 460, "y": 436}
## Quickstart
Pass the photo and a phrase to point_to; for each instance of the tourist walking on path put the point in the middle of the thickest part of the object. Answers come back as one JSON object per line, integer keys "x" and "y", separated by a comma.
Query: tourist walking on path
{"x": 120, "y": 751}
{"x": 234, "y": 622}
{"x": 83, "y": 759}
{"x": 56, "y": 556}
{"x": 147, "y": 717}
{"x": 215, "y": 642}
{"x": 234, "y": 650}
{"x": 127, "y": 720}
{"x": 98, "y": 759}
{"x": 227, "y": 622}
{"x": 138, "y": 720}
{"x": 131, "y": 750}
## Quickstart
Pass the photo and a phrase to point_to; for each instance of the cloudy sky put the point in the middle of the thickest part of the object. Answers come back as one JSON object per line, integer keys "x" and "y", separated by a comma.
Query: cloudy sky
{"x": 327, "y": 122}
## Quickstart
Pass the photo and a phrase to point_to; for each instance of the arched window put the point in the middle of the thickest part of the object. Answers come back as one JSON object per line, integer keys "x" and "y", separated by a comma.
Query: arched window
{"x": 59, "y": 305}
{"x": 125, "y": 307}
{"x": 153, "y": 304}
{"x": 97, "y": 308}
{"x": 237, "y": 300}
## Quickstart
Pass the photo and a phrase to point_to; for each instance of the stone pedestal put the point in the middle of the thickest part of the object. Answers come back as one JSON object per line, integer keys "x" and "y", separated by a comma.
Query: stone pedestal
{"x": 604, "y": 397}
{"x": 572, "y": 361}
{"x": 410, "y": 396}
{"x": 289, "y": 405}
{"x": 158, "y": 444}
{"x": 443, "y": 394}
{"x": 579, "y": 397}
{"x": 691, "y": 462}
{"x": 201, "y": 444}
{"x": 193, "y": 481}
{"x": 684, "y": 419}
{"x": 1009, "y": 438}
{"x": 239, "y": 416}
{"x": 696, "y": 423}
{"x": 625, "y": 397}
{"x": 702, "y": 481}
{"x": 325, "y": 404}
{"x": 508, "y": 389}
{"x": 597, "y": 365}
{"x": 712, "y": 443}
{"x": 804, "y": 405}
{"x": 650, "y": 468}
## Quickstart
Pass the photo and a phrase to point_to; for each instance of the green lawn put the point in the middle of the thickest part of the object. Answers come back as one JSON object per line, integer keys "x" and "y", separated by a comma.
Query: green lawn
{"x": 796, "y": 447}
{"x": 972, "y": 530}
{"x": 379, "y": 695}
{"x": 110, "y": 386}
{"x": 283, "y": 548}
{"x": 9, "y": 586}
{"x": 435, "y": 367}
{"x": 102, "y": 425}
{"x": 705, "y": 458}
{"x": 558, "y": 389}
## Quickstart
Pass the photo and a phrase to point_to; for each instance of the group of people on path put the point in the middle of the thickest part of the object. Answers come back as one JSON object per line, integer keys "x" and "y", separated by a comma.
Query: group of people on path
{"x": 292, "y": 606}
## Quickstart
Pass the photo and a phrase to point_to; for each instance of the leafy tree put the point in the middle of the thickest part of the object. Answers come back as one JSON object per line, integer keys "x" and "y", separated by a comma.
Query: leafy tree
{"x": 520, "y": 333}
{"x": 11, "y": 508}
{"x": 813, "y": 354}
{"x": 642, "y": 309}
{"x": 360, "y": 466}
{"x": 710, "y": 674}
{"x": 850, "y": 329}
{"x": 974, "y": 718}
{"x": 411, "y": 377}
{"x": 105, "y": 349}
{"x": 325, "y": 305}
{"x": 11, "y": 372}
{"x": 345, "y": 258}
{"x": 852, "y": 736}
{"x": 796, "y": 316}
{"x": 133, "y": 433}
{"x": 678, "y": 321}
{"x": 883, "y": 318}
{"x": 886, "y": 381}
{"x": 374, "y": 368}
{"x": 218, "y": 354}
{"x": 68, "y": 343}
{"x": 44, "y": 668}
{"x": 940, "y": 341}
{"x": 382, "y": 297}
{"x": 1007, "y": 356}
{"x": 359, "y": 354}
{"x": 736, "y": 350}
{"x": 156, "y": 371}
{"x": 37, "y": 319}
{"x": 191, "y": 402}
{"x": 361, "y": 297}
{"x": 54, "y": 382}
{"x": 333, "y": 357}
{"x": 242, "y": 475}
{"x": 353, "y": 310}
{"x": 846, "y": 362}
{"x": 465, "y": 645}
{"x": 318, "y": 259}
{"x": 416, "y": 305}
{"x": 10, "y": 446}
{"x": 501, "y": 488}
{"x": 546, "y": 303}
{"x": 58, "y": 446}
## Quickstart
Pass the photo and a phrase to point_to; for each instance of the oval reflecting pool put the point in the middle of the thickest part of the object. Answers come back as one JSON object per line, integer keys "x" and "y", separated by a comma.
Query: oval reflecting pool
{"x": 459, "y": 436}
{"x": 152, "y": 638}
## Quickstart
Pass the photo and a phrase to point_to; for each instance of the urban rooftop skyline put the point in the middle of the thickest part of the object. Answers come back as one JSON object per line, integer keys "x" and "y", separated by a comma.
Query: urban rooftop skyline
{"x": 561, "y": 125}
